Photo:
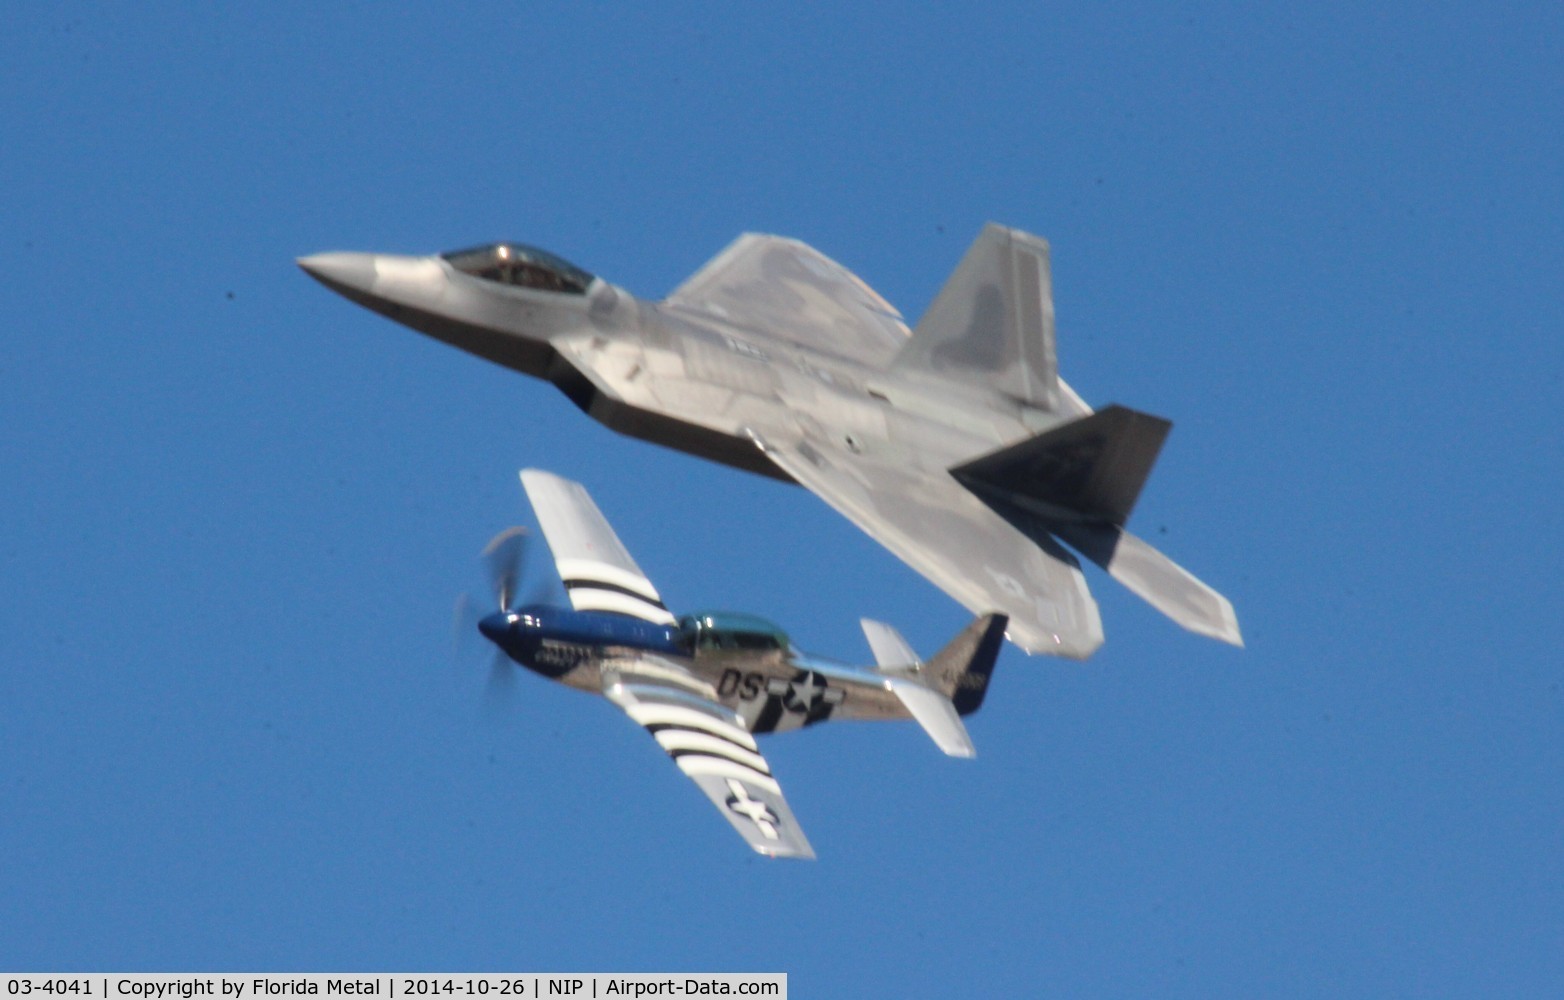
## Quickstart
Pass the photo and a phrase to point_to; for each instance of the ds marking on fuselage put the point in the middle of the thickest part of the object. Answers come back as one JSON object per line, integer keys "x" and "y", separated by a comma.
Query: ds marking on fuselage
{"x": 798, "y": 695}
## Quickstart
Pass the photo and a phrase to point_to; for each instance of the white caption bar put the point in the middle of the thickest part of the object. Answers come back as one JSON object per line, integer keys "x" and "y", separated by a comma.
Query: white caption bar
{"x": 409, "y": 985}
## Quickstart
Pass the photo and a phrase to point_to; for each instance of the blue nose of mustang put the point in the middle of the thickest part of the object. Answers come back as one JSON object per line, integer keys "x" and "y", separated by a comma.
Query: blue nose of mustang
{"x": 495, "y": 627}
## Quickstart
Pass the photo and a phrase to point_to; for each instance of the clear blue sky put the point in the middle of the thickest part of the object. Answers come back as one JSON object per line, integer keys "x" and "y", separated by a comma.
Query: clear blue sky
{"x": 236, "y": 511}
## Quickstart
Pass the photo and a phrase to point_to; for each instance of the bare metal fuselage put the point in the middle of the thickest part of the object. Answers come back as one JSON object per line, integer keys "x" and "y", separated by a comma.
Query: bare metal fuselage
{"x": 773, "y": 690}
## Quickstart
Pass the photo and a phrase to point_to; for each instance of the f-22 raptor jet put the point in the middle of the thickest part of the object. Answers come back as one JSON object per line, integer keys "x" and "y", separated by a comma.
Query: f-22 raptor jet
{"x": 955, "y": 443}
{"x": 704, "y": 683}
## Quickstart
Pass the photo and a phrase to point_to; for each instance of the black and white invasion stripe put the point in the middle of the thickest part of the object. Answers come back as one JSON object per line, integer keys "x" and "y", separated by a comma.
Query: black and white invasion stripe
{"x": 701, "y": 737}
{"x": 599, "y": 586}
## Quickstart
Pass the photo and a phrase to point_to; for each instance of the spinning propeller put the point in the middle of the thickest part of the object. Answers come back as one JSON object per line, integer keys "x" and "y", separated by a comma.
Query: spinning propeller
{"x": 502, "y": 557}
{"x": 504, "y": 560}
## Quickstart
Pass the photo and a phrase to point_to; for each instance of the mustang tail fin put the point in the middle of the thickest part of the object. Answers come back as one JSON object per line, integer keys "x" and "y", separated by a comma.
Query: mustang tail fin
{"x": 992, "y": 324}
{"x": 952, "y": 684}
{"x": 962, "y": 669}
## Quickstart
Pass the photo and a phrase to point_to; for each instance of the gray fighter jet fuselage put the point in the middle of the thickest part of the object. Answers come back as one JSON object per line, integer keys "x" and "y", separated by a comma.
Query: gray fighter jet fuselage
{"x": 673, "y": 376}
{"x": 955, "y": 445}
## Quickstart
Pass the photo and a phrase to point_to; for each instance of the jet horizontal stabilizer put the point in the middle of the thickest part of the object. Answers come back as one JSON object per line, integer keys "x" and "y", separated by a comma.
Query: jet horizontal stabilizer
{"x": 1142, "y": 569}
{"x": 1078, "y": 483}
{"x": 1155, "y": 579}
{"x": 1092, "y": 468}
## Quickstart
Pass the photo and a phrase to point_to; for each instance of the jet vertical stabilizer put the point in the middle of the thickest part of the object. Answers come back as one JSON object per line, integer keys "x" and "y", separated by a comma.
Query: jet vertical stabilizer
{"x": 992, "y": 325}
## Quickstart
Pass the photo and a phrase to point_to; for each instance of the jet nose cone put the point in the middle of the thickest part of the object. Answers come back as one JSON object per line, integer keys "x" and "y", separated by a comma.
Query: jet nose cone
{"x": 494, "y": 626}
{"x": 341, "y": 271}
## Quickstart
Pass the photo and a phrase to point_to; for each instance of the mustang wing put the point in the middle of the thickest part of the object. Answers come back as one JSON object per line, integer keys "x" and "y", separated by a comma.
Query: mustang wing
{"x": 939, "y": 528}
{"x": 598, "y": 573}
{"x": 783, "y": 288}
{"x": 710, "y": 745}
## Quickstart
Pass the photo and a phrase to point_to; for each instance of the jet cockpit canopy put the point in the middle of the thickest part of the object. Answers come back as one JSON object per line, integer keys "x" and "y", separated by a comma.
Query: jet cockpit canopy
{"x": 730, "y": 630}
{"x": 521, "y": 265}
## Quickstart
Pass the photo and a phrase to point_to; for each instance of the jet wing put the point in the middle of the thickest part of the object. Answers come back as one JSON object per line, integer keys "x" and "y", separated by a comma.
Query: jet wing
{"x": 594, "y": 566}
{"x": 939, "y": 528}
{"x": 711, "y": 746}
{"x": 782, "y": 288}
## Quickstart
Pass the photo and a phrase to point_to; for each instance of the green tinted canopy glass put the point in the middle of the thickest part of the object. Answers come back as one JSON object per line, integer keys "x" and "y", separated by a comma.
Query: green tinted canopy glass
{"x": 732, "y": 630}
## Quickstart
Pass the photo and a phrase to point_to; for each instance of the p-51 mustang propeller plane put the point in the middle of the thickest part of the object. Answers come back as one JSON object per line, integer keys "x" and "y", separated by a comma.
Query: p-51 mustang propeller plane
{"x": 954, "y": 444}
{"x": 703, "y": 684}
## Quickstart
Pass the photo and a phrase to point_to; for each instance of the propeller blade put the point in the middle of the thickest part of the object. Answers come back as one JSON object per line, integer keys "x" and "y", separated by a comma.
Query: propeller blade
{"x": 503, "y": 557}
{"x": 502, "y": 681}
{"x": 464, "y": 622}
